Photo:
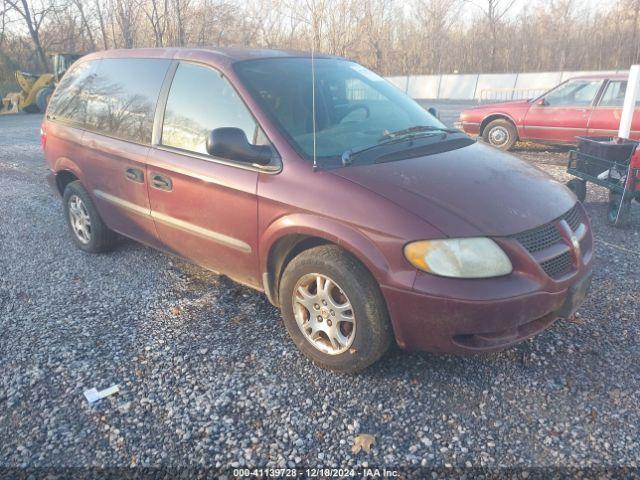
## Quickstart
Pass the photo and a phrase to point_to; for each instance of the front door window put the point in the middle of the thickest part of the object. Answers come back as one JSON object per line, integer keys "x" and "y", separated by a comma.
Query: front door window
{"x": 201, "y": 100}
{"x": 574, "y": 93}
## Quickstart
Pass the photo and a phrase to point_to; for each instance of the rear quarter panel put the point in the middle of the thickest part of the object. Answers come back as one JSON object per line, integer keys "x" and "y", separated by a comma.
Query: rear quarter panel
{"x": 605, "y": 121}
{"x": 64, "y": 144}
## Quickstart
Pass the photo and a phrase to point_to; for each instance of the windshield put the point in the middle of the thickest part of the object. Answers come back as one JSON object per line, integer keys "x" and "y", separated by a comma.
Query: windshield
{"x": 578, "y": 93}
{"x": 355, "y": 108}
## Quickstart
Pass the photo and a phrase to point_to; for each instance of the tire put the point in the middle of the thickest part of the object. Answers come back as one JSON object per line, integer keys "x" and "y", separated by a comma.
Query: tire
{"x": 578, "y": 187}
{"x": 87, "y": 229}
{"x": 42, "y": 98}
{"x": 619, "y": 211}
{"x": 501, "y": 134}
{"x": 31, "y": 108}
{"x": 364, "y": 339}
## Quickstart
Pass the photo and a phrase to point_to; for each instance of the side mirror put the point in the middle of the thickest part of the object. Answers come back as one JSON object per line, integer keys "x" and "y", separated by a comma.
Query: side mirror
{"x": 434, "y": 111}
{"x": 231, "y": 143}
{"x": 542, "y": 102}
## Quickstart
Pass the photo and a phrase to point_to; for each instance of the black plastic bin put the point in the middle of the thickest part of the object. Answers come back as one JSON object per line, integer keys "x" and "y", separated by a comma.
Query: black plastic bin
{"x": 606, "y": 150}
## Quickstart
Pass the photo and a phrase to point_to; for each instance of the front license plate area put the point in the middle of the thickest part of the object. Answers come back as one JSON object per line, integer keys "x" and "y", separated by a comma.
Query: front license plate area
{"x": 577, "y": 294}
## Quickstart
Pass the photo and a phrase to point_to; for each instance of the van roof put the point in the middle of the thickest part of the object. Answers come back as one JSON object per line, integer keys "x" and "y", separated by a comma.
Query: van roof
{"x": 225, "y": 55}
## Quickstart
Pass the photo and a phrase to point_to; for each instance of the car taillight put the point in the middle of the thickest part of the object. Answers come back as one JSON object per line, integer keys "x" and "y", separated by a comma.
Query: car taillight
{"x": 43, "y": 136}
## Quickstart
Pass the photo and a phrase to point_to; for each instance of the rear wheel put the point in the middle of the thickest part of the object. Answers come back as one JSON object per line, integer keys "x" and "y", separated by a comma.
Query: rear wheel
{"x": 578, "y": 187}
{"x": 31, "y": 108}
{"x": 88, "y": 231}
{"x": 333, "y": 310}
{"x": 501, "y": 134}
{"x": 619, "y": 212}
{"x": 42, "y": 98}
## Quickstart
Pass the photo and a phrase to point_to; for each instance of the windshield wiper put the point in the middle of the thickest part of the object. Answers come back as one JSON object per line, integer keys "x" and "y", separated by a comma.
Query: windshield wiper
{"x": 396, "y": 137}
{"x": 347, "y": 155}
{"x": 417, "y": 129}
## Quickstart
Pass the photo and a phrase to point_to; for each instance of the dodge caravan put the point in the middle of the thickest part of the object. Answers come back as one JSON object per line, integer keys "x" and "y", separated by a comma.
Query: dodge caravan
{"x": 356, "y": 211}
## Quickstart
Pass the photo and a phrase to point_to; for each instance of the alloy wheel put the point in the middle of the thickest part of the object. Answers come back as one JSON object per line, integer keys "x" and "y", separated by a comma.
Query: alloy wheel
{"x": 80, "y": 219}
{"x": 324, "y": 314}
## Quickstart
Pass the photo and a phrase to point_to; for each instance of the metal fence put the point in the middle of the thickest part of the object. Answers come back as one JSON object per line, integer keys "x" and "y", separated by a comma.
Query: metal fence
{"x": 505, "y": 94}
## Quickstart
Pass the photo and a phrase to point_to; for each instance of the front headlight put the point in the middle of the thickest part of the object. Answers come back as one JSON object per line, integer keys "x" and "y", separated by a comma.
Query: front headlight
{"x": 459, "y": 257}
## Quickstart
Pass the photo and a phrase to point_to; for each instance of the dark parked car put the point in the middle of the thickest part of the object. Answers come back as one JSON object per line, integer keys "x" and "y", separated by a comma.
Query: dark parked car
{"x": 581, "y": 106}
{"x": 382, "y": 225}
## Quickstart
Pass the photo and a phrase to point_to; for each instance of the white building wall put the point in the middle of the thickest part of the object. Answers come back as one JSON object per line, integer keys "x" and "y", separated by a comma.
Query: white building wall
{"x": 457, "y": 86}
{"x": 471, "y": 86}
{"x": 423, "y": 86}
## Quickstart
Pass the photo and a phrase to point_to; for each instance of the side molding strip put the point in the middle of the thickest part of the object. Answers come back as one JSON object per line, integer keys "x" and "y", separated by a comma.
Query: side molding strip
{"x": 202, "y": 232}
{"x": 175, "y": 222}
{"x": 132, "y": 207}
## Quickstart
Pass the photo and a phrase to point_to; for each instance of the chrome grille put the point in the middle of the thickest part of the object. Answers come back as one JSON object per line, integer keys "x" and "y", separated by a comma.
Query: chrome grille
{"x": 541, "y": 238}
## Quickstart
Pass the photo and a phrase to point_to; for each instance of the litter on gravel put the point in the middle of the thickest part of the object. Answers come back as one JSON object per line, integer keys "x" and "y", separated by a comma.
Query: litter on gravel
{"x": 93, "y": 395}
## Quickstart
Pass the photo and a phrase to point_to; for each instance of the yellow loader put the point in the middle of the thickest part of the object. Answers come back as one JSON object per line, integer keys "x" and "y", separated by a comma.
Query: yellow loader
{"x": 35, "y": 89}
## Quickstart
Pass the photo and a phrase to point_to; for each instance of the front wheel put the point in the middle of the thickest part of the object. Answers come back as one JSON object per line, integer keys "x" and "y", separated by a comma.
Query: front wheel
{"x": 333, "y": 310}
{"x": 501, "y": 134}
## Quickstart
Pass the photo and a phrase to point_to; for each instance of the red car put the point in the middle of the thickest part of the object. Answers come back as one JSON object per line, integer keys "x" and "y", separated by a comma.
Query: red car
{"x": 589, "y": 105}
{"x": 367, "y": 223}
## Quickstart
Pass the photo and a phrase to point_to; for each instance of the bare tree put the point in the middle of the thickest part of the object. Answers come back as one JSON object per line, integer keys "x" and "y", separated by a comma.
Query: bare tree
{"x": 494, "y": 11}
{"x": 373, "y": 32}
{"x": 79, "y": 4}
{"x": 3, "y": 21}
{"x": 124, "y": 18}
{"x": 33, "y": 16}
{"x": 179, "y": 13}
{"x": 101, "y": 23}
{"x": 390, "y": 36}
{"x": 437, "y": 18}
{"x": 635, "y": 18}
{"x": 156, "y": 13}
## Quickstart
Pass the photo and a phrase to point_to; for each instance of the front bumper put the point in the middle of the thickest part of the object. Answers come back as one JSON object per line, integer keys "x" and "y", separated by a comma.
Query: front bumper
{"x": 550, "y": 279}
{"x": 440, "y": 324}
{"x": 470, "y": 128}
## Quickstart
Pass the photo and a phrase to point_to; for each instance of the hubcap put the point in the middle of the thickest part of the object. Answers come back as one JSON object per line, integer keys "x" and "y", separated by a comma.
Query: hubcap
{"x": 80, "y": 220}
{"x": 324, "y": 314}
{"x": 498, "y": 136}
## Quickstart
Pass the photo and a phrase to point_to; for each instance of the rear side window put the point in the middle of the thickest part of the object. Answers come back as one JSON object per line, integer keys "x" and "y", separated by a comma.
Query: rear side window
{"x": 69, "y": 104}
{"x": 200, "y": 100}
{"x": 121, "y": 101}
{"x": 614, "y": 94}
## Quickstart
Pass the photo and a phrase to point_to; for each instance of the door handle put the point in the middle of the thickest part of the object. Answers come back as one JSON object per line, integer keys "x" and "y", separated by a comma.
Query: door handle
{"x": 134, "y": 174}
{"x": 161, "y": 182}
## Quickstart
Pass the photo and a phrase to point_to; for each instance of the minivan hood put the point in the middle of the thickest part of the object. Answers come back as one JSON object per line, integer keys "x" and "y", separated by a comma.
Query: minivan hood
{"x": 475, "y": 190}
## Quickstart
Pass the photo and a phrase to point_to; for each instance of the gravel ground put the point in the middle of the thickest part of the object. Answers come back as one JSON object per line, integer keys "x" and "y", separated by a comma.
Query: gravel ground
{"x": 208, "y": 376}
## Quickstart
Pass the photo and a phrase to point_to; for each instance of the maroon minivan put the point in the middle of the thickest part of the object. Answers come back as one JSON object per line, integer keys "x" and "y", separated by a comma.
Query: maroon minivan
{"x": 356, "y": 211}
